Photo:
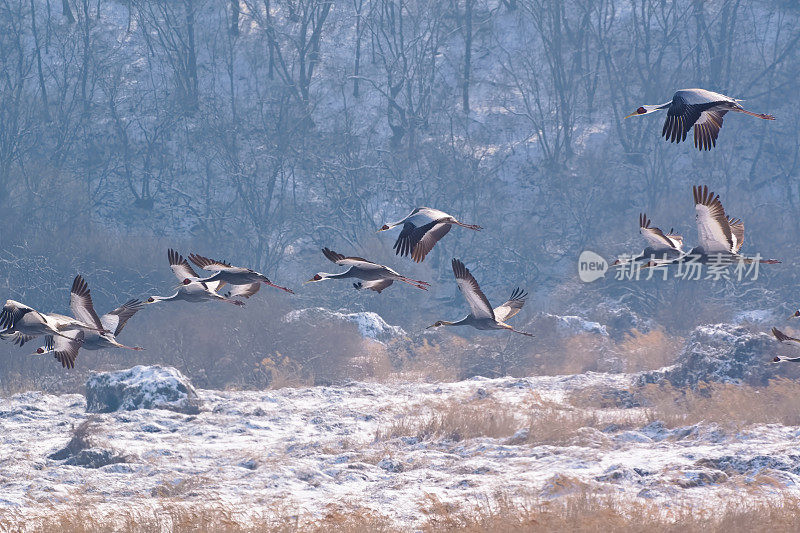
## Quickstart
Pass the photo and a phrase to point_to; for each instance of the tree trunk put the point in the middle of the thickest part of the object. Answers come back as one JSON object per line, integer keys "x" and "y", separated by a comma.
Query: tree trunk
{"x": 191, "y": 60}
{"x": 235, "y": 8}
{"x": 67, "y": 12}
{"x": 359, "y": 4}
{"x": 42, "y": 86}
{"x": 467, "y": 54}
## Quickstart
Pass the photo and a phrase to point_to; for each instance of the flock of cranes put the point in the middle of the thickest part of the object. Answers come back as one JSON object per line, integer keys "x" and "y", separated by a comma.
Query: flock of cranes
{"x": 719, "y": 236}
{"x": 64, "y": 336}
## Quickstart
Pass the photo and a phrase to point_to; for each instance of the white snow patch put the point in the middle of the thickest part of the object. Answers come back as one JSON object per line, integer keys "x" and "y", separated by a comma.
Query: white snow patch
{"x": 755, "y": 316}
{"x": 578, "y": 324}
{"x": 370, "y": 325}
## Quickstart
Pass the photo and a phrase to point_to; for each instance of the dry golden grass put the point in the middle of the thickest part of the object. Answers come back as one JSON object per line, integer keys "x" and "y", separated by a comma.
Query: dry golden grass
{"x": 649, "y": 351}
{"x": 587, "y": 513}
{"x": 186, "y": 518}
{"x": 546, "y": 422}
{"x": 729, "y": 405}
{"x": 454, "y": 420}
{"x": 427, "y": 360}
{"x": 725, "y": 404}
{"x": 581, "y": 511}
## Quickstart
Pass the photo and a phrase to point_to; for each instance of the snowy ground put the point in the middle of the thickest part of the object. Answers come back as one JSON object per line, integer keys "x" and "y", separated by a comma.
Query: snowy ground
{"x": 309, "y": 448}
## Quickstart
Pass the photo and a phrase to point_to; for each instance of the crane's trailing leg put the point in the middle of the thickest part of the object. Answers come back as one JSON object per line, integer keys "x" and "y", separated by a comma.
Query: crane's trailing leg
{"x": 759, "y": 115}
{"x": 290, "y": 291}
{"x": 416, "y": 283}
{"x": 469, "y": 226}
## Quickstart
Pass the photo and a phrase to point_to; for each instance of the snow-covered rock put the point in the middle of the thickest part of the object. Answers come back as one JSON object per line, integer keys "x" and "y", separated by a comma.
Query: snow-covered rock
{"x": 619, "y": 320}
{"x": 576, "y": 324}
{"x": 725, "y": 353}
{"x": 95, "y": 458}
{"x": 141, "y": 387}
{"x": 755, "y": 316}
{"x": 370, "y": 325}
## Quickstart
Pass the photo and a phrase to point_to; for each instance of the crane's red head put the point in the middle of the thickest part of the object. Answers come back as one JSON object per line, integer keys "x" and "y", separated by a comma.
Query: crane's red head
{"x": 187, "y": 281}
{"x": 317, "y": 277}
{"x": 39, "y": 350}
{"x": 776, "y": 359}
{"x": 384, "y": 227}
{"x": 151, "y": 300}
{"x": 643, "y": 110}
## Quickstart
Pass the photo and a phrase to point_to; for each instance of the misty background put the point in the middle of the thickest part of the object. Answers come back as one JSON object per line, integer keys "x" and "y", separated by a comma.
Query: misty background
{"x": 260, "y": 131}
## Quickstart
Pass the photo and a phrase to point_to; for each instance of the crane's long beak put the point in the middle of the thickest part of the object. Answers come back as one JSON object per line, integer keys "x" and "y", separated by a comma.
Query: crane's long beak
{"x": 631, "y": 115}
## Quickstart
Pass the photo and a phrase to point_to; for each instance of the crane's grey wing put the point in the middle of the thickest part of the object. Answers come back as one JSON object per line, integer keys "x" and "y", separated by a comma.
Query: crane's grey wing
{"x": 737, "y": 229}
{"x": 243, "y": 291}
{"x": 116, "y": 319}
{"x": 377, "y": 285}
{"x": 65, "y": 350}
{"x": 702, "y": 96}
{"x": 783, "y": 337}
{"x": 432, "y": 214}
{"x": 426, "y": 237}
{"x": 512, "y": 306}
{"x": 80, "y": 301}
{"x": 180, "y": 266}
{"x": 211, "y": 264}
{"x": 680, "y": 118}
{"x": 654, "y": 236}
{"x": 333, "y": 256}
{"x": 677, "y": 240}
{"x": 713, "y": 228}
{"x": 404, "y": 244}
{"x": 12, "y": 313}
{"x": 706, "y": 129}
{"x": 358, "y": 262}
{"x": 17, "y": 338}
{"x": 477, "y": 301}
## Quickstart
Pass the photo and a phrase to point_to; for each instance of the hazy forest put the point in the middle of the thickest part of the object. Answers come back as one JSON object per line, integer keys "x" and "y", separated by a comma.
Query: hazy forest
{"x": 259, "y": 131}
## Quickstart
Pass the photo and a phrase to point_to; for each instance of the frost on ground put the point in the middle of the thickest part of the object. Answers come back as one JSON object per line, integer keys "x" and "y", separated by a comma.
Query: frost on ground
{"x": 380, "y": 447}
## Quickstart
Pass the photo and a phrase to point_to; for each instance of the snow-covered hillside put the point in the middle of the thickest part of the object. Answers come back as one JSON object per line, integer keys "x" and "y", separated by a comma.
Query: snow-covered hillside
{"x": 380, "y": 447}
